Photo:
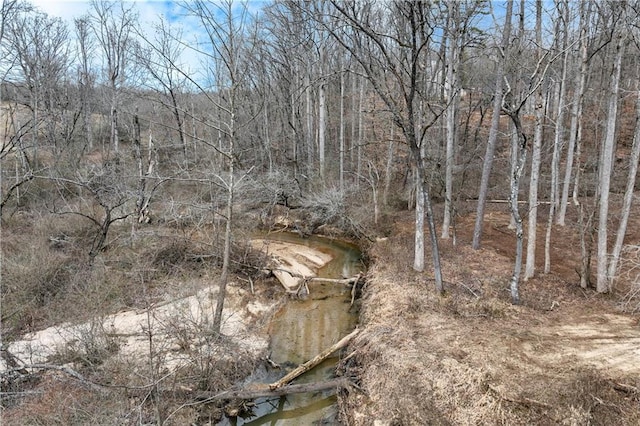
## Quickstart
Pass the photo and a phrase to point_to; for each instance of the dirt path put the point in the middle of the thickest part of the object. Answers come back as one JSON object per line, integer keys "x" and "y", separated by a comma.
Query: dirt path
{"x": 608, "y": 342}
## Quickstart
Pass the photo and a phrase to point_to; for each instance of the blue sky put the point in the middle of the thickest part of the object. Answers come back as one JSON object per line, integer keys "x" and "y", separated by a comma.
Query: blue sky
{"x": 149, "y": 10}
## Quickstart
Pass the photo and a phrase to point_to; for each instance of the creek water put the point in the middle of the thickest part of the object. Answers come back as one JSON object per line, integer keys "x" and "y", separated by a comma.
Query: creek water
{"x": 300, "y": 331}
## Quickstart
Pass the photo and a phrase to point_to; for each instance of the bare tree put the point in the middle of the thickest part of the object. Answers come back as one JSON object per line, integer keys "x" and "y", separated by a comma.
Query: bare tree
{"x": 226, "y": 47}
{"x": 41, "y": 48}
{"x": 576, "y": 110}
{"x": 563, "y": 42}
{"x": 513, "y": 104}
{"x": 102, "y": 198}
{"x": 86, "y": 77}
{"x": 161, "y": 59}
{"x": 536, "y": 152}
{"x": 603, "y": 284}
{"x": 113, "y": 26}
{"x": 452, "y": 98}
{"x": 493, "y": 130}
{"x": 390, "y": 53}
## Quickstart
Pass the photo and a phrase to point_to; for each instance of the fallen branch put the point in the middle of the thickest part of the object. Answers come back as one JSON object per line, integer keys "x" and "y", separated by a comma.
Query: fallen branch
{"x": 263, "y": 391}
{"x": 303, "y": 368}
{"x": 508, "y": 201}
{"x": 344, "y": 281}
{"x": 622, "y": 387}
{"x": 522, "y": 401}
{"x": 66, "y": 370}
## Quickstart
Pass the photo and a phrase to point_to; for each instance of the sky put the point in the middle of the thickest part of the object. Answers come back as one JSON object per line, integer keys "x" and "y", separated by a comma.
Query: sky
{"x": 149, "y": 10}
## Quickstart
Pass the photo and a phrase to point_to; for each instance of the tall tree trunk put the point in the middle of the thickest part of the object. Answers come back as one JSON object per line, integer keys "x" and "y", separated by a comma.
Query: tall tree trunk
{"x": 294, "y": 128}
{"x": 418, "y": 252}
{"x": 114, "y": 138}
{"x": 453, "y": 102}
{"x": 388, "y": 171}
{"x": 175, "y": 108}
{"x": 360, "y": 133}
{"x": 530, "y": 267}
{"x": 267, "y": 138}
{"x": 530, "y": 264}
{"x": 521, "y": 159}
{"x": 628, "y": 198}
{"x": 322, "y": 125}
{"x": 309, "y": 116}
{"x": 606, "y": 165}
{"x": 576, "y": 111}
{"x": 558, "y": 144}
{"x": 226, "y": 254}
{"x": 493, "y": 131}
{"x": 341, "y": 135}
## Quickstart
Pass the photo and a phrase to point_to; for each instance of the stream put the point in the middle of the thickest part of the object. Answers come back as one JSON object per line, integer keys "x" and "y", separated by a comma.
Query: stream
{"x": 299, "y": 331}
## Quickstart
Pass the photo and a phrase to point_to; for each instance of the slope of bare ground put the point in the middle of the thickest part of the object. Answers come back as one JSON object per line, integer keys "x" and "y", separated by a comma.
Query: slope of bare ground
{"x": 566, "y": 356}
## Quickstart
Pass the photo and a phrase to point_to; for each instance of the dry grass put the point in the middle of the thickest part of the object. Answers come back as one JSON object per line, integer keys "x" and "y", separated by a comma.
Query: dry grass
{"x": 470, "y": 357}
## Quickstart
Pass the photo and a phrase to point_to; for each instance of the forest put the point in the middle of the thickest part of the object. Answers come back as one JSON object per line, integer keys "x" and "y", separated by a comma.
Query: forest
{"x": 483, "y": 155}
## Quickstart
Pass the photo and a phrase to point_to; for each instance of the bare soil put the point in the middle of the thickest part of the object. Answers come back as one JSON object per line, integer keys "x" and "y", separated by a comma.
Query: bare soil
{"x": 566, "y": 356}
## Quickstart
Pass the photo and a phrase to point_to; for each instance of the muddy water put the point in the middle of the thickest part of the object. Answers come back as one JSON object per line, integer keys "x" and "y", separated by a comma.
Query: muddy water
{"x": 301, "y": 330}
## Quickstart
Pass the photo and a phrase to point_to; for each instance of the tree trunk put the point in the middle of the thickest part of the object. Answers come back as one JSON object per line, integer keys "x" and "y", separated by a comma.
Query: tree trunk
{"x": 576, "y": 111}
{"x": 322, "y": 125}
{"x": 606, "y": 165}
{"x": 418, "y": 252}
{"x": 530, "y": 265}
{"x": 628, "y": 198}
{"x": 493, "y": 131}
{"x": 226, "y": 255}
{"x": 453, "y": 100}
{"x": 360, "y": 134}
{"x": 341, "y": 135}
{"x": 114, "y": 138}
{"x": 309, "y": 116}
{"x": 388, "y": 171}
{"x": 303, "y": 368}
{"x": 521, "y": 159}
{"x": 558, "y": 144}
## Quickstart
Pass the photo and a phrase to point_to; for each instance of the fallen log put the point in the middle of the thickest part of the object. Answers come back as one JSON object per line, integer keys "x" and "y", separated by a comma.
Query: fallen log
{"x": 263, "y": 391}
{"x": 345, "y": 281}
{"x": 303, "y": 368}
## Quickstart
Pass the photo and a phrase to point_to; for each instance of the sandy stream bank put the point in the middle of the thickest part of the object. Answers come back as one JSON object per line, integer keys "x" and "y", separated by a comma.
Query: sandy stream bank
{"x": 132, "y": 328}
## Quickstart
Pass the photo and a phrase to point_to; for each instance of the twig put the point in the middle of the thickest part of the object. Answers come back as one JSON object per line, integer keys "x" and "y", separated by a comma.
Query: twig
{"x": 470, "y": 290}
{"x": 66, "y": 370}
{"x": 523, "y": 401}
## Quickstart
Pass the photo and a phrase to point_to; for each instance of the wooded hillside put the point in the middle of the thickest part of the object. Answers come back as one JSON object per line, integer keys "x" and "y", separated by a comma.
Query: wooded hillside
{"x": 133, "y": 151}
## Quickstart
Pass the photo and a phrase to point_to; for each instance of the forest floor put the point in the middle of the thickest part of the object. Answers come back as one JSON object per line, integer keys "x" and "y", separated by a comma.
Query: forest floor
{"x": 565, "y": 356}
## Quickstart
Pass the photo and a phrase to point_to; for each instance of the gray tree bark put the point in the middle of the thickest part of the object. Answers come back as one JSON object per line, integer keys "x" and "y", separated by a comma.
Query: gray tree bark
{"x": 452, "y": 98}
{"x": 530, "y": 264}
{"x": 576, "y": 112}
{"x": 558, "y": 143}
{"x": 606, "y": 166}
{"x": 628, "y": 198}
{"x": 493, "y": 130}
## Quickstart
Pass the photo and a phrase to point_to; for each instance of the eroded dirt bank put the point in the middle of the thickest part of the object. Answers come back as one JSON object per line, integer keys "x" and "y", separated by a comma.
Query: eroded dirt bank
{"x": 471, "y": 358}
